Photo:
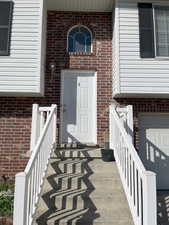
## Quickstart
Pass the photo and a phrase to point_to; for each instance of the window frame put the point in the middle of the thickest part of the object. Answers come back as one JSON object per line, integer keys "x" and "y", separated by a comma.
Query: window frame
{"x": 9, "y": 27}
{"x": 79, "y": 25}
{"x": 154, "y": 27}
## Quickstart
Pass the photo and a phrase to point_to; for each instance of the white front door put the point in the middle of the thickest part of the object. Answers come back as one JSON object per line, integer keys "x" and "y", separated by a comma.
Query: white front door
{"x": 78, "y": 106}
{"x": 154, "y": 146}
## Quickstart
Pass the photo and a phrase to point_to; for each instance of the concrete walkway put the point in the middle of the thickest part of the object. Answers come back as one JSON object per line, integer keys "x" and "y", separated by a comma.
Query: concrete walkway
{"x": 82, "y": 189}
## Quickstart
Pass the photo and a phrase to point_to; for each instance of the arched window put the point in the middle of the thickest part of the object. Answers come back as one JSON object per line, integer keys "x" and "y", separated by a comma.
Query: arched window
{"x": 79, "y": 39}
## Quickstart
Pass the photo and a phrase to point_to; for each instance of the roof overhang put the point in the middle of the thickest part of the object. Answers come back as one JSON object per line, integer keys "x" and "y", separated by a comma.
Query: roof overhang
{"x": 80, "y": 5}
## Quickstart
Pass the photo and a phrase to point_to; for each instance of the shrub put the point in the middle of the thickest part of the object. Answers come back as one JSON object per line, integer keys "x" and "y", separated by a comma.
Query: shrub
{"x": 6, "y": 186}
{"x": 6, "y": 204}
{"x": 6, "y": 198}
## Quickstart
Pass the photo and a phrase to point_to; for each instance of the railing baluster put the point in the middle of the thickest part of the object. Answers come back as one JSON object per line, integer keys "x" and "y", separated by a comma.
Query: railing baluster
{"x": 122, "y": 157}
{"x": 134, "y": 188}
{"x": 132, "y": 182}
{"x": 35, "y": 124}
{"x": 136, "y": 192}
{"x": 123, "y": 148}
{"x": 32, "y": 193}
{"x": 140, "y": 199}
{"x": 120, "y": 149}
{"x": 127, "y": 167}
{"x": 131, "y": 187}
{"x": 36, "y": 180}
{"x": 126, "y": 164}
{"x": 42, "y": 121}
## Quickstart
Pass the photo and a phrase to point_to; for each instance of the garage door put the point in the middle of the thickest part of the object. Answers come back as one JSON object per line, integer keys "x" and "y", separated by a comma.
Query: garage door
{"x": 154, "y": 146}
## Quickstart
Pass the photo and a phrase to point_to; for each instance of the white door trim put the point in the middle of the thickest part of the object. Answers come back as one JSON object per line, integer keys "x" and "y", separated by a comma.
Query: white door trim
{"x": 76, "y": 71}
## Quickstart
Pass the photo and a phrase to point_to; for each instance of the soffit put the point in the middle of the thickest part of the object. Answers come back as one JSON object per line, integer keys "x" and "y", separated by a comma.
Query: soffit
{"x": 80, "y": 5}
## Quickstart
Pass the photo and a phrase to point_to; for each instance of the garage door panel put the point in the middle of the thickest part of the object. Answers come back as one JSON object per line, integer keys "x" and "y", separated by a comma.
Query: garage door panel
{"x": 154, "y": 146}
{"x": 155, "y": 121}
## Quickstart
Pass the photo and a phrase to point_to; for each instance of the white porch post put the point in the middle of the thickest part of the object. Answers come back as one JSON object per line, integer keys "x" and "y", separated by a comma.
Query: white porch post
{"x": 55, "y": 124}
{"x": 149, "y": 199}
{"x": 130, "y": 122}
{"x": 111, "y": 128}
{"x": 35, "y": 125}
{"x": 19, "y": 201}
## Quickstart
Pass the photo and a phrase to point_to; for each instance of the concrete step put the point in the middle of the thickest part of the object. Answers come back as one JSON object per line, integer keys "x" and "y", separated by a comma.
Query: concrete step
{"x": 78, "y": 153}
{"x": 75, "y": 146}
{"x": 82, "y": 191}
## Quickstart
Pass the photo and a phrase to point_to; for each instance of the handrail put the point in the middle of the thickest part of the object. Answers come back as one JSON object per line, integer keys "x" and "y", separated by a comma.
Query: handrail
{"x": 28, "y": 184}
{"x": 138, "y": 183}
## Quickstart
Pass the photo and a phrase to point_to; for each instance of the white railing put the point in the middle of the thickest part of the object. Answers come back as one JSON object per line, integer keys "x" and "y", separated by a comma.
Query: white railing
{"x": 28, "y": 184}
{"x": 139, "y": 184}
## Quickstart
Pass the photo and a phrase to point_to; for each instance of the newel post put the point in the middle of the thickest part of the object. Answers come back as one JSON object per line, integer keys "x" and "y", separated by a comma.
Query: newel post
{"x": 130, "y": 122}
{"x": 20, "y": 199}
{"x": 54, "y": 123}
{"x": 111, "y": 127}
{"x": 35, "y": 126}
{"x": 149, "y": 199}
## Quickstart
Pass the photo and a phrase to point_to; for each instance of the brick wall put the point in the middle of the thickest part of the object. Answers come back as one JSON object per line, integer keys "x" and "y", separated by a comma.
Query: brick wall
{"x": 15, "y": 113}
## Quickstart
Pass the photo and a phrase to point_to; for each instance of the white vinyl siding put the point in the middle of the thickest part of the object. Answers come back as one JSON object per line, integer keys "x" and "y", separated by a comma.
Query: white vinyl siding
{"x": 137, "y": 75}
{"x": 21, "y": 72}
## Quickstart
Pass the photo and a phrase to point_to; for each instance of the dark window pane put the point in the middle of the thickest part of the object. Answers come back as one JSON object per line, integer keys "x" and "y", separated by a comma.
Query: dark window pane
{"x": 160, "y": 7}
{"x": 5, "y": 13}
{"x": 74, "y": 31}
{"x": 162, "y": 30}
{"x": 85, "y": 31}
{"x": 80, "y": 42}
{"x": 6, "y": 9}
{"x": 88, "y": 44}
{"x": 145, "y": 11}
{"x": 146, "y": 28}
{"x": 146, "y": 43}
{"x": 3, "y": 39}
{"x": 71, "y": 48}
{"x": 162, "y": 51}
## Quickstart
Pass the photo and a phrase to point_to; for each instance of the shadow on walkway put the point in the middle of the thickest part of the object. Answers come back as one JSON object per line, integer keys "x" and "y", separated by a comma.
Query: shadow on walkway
{"x": 69, "y": 197}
